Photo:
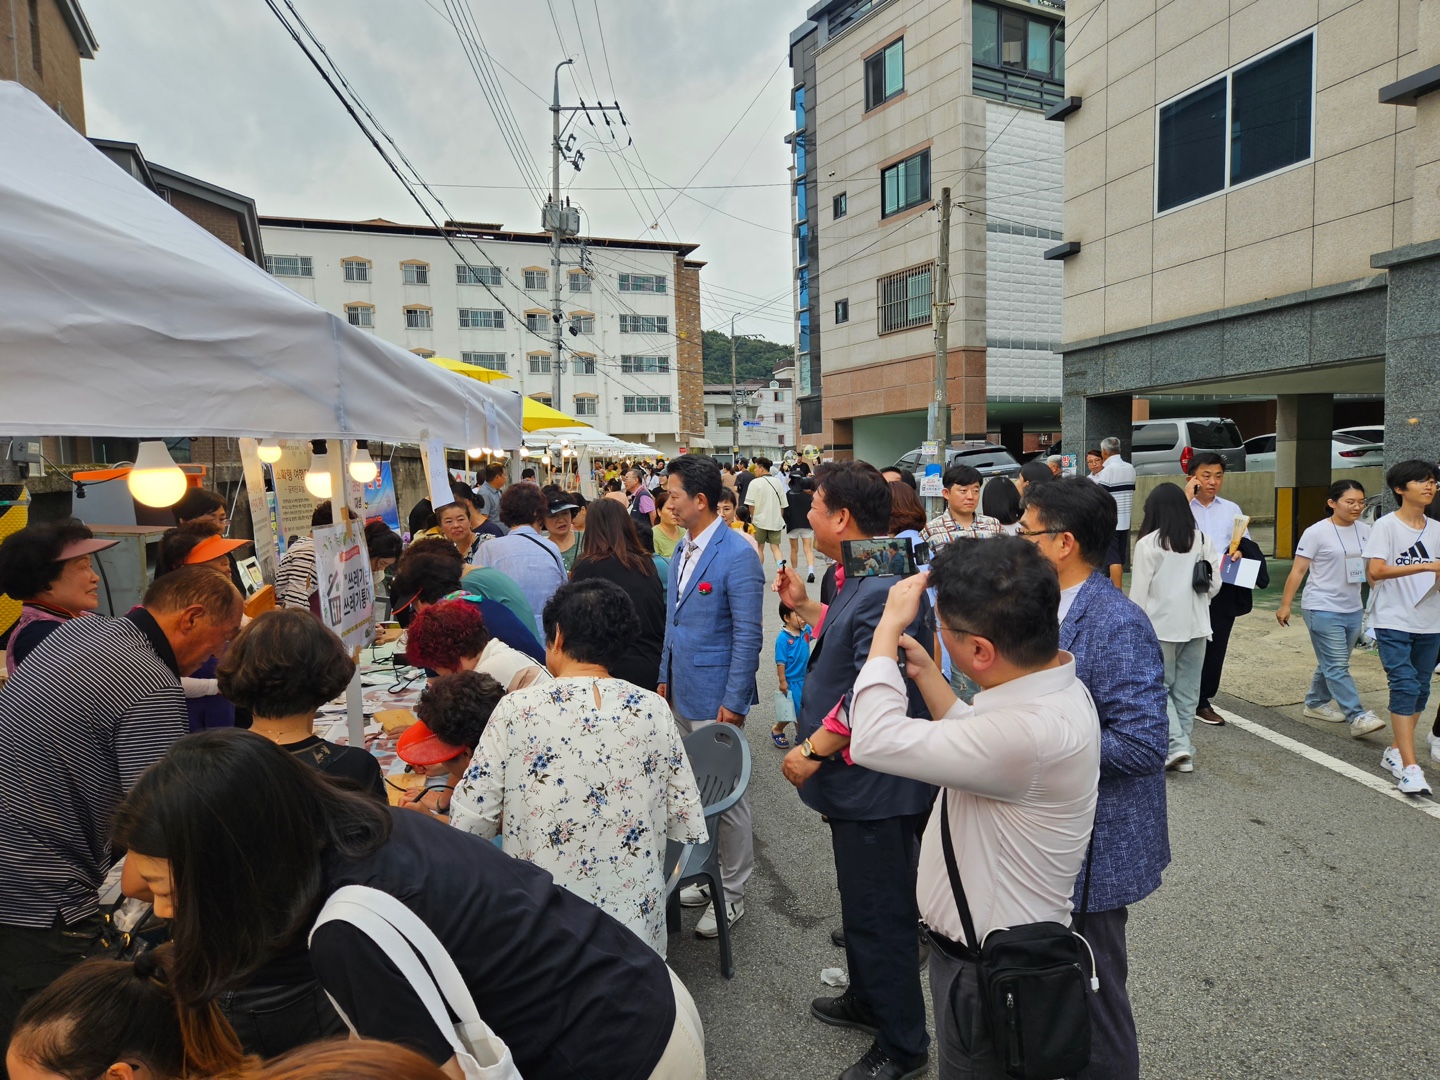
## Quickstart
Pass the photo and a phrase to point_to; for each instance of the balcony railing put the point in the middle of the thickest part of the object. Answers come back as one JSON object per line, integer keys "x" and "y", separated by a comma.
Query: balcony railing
{"x": 1016, "y": 87}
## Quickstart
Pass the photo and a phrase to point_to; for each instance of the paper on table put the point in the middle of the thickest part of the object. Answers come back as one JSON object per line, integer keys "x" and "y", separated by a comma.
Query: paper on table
{"x": 1242, "y": 573}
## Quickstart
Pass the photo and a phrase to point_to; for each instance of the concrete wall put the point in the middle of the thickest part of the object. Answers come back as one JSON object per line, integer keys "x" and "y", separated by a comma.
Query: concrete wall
{"x": 1254, "y": 491}
{"x": 883, "y": 440}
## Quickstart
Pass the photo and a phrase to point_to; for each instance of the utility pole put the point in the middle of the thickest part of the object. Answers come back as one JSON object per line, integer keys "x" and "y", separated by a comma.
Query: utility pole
{"x": 939, "y": 412}
{"x": 734, "y": 401}
{"x": 556, "y": 231}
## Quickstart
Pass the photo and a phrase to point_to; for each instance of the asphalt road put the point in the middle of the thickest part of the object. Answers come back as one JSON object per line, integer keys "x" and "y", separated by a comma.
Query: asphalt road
{"x": 1290, "y": 938}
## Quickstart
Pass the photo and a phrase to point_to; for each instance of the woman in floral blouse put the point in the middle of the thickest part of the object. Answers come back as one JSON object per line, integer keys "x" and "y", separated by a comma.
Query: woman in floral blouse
{"x": 587, "y": 773}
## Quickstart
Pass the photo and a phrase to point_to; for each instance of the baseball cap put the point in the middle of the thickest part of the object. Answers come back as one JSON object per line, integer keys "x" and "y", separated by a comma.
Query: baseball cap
{"x": 421, "y": 746}
{"x": 76, "y": 548}
{"x": 559, "y": 506}
{"x": 212, "y": 547}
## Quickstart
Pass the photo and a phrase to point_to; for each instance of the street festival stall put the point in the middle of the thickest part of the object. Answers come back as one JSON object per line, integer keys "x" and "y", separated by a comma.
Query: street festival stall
{"x": 120, "y": 317}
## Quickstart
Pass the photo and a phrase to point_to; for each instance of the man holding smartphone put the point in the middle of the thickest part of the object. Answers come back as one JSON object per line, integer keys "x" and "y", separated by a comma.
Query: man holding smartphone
{"x": 874, "y": 818}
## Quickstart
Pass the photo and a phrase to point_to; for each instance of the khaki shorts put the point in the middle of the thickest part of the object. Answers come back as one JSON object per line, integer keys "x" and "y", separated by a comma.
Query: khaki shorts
{"x": 769, "y": 536}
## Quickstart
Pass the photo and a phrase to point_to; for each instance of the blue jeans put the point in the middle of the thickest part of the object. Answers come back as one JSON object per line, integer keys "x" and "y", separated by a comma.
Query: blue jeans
{"x": 1333, "y": 635}
{"x": 1409, "y": 661}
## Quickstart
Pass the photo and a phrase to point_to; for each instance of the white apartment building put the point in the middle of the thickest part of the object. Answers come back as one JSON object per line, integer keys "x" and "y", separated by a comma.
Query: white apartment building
{"x": 894, "y": 101}
{"x": 632, "y": 359}
{"x": 766, "y": 412}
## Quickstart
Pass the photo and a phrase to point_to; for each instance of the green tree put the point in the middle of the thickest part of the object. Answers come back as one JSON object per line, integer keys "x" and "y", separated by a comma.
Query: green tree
{"x": 755, "y": 358}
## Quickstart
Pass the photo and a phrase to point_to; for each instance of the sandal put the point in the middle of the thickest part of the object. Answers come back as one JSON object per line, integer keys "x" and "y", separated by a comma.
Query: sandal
{"x": 778, "y": 737}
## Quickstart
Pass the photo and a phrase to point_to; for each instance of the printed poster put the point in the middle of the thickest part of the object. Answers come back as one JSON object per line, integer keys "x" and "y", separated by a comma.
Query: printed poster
{"x": 342, "y": 577}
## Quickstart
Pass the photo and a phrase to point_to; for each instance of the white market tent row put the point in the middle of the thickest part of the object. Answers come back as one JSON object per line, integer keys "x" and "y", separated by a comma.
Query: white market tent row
{"x": 119, "y": 316}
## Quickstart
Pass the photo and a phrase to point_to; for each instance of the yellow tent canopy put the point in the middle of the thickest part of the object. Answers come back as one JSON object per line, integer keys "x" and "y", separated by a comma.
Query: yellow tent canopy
{"x": 536, "y": 415}
{"x": 471, "y": 371}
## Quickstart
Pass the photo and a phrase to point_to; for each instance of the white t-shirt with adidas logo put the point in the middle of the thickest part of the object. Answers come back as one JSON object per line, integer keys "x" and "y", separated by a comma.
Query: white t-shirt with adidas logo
{"x": 1396, "y": 598}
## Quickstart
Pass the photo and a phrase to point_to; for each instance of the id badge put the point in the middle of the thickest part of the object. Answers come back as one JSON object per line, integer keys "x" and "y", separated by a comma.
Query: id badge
{"x": 1354, "y": 570}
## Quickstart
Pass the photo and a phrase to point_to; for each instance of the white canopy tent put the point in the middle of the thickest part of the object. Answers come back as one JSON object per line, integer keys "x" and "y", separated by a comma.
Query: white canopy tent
{"x": 119, "y": 316}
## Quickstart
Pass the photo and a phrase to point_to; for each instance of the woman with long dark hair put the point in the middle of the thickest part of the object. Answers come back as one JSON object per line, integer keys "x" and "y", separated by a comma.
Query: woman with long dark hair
{"x": 1164, "y": 582}
{"x": 612, "y": 551}
{"x": 240, "y": 845}
{"x": 1000, "y": 499}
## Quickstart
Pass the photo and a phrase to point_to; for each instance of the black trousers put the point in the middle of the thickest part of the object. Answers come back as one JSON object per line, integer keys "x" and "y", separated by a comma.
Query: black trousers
{"x": 1220, "y": 627}
{"x": 31, "y": 960}
{"x": 875, "y": 869}
{"x": 1114, "y": 1051}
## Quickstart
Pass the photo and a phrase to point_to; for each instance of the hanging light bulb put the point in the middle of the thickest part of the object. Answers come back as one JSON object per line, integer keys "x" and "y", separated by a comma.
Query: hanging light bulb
{"x": 524, "y": 453}
{"x": 545, "y": 460}
{"x": 317, "y": 478}
{"x": 476, "y": 451}
{"x": 363, "y": 469}
{"x": 155, "y": 479}
{"x": 485, "y": 450}
{"x": 269, "y": 451}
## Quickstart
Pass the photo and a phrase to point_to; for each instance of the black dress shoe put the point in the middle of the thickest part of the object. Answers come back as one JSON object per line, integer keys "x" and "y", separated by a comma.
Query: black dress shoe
{"x": 878, "y": 1065}
{"x": 846, "y": 1011}
{"x": 837, "y": 938}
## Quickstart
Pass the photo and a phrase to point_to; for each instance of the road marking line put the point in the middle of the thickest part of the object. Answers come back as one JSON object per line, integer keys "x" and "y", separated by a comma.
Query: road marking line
{"x": 1344, "y": 768}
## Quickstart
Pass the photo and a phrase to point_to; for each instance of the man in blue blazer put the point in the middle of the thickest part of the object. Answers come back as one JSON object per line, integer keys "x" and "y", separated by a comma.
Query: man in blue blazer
{"x": 874, "y": 818}
{"x": 712, "y": 644}
{"x": 1118, "y": 659}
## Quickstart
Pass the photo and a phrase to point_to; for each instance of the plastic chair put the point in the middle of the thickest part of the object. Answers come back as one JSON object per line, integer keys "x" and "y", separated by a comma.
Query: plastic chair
{"x": 720, "y": 758}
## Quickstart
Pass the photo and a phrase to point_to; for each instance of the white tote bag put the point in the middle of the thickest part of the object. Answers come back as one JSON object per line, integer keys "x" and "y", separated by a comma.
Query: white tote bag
{"x": 406, "y": 940}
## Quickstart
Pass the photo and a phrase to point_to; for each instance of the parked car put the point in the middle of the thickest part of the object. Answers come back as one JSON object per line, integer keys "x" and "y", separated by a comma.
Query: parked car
{"x": 989, "y": 459}
{"x": 1346, "y": 452}
{"x": 1370, "y": 433}
{"x": 1165, "y": 447}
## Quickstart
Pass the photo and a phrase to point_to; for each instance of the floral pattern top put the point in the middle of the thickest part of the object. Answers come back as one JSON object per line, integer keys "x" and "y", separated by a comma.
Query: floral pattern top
{"x": 590, "y": 792}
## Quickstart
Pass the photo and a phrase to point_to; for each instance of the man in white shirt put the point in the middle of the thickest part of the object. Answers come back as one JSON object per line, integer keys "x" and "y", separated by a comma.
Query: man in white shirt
{"x": 1020, "y": 767}
{"x": 1117, "y": 476}
{"x": 767, "y": 500}
{"x": 1215, "y": 517}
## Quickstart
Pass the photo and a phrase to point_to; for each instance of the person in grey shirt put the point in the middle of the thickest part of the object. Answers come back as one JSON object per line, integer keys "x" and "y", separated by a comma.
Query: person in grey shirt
{"x": 529, "y": 559}
{"x": 489, "y": 490}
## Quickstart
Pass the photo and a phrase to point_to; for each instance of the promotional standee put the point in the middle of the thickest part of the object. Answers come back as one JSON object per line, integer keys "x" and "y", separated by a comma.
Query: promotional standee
{"x": 347, "y": 591}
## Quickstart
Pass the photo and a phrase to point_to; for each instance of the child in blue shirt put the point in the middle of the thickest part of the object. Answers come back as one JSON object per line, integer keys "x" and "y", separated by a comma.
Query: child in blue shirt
{"x": 792, "y": 654}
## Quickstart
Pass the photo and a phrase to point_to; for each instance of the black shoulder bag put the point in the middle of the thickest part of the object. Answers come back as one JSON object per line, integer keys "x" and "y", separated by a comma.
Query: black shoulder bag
{"x": 1032, "y": 982}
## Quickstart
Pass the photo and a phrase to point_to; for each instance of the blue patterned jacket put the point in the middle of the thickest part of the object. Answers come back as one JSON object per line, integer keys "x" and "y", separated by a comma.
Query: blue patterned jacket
{"x": 1118, "y": 659}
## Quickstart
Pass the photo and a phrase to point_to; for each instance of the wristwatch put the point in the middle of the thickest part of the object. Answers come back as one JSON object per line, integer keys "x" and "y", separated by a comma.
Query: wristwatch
{"x": 808, "y": 751}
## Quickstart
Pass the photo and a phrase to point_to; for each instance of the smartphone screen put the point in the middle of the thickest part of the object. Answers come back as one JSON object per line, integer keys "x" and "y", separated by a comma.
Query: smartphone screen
{"x": 880, "y": 556}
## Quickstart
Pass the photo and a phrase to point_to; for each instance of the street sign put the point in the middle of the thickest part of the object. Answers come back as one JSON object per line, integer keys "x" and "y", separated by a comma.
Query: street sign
{"x": 931, "y": 486}
{"x": 749, "y": 423}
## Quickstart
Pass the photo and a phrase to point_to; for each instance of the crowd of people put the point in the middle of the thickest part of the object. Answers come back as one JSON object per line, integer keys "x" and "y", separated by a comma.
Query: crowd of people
{"x": 570, "y": 645}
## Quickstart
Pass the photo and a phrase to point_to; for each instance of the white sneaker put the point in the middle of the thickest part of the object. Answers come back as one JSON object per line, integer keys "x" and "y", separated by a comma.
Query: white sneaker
{"x": 1180, "y": 761}
{"x": 1367, "y": 722}
{"x": 1434, "y": 747}
{"x": 1391, "y": 760}
{"x": 699, "y": 895}
{"x": 707, "y": 927}
{"x": 1325, "y": 712}
{"x": 1412, "y": 781}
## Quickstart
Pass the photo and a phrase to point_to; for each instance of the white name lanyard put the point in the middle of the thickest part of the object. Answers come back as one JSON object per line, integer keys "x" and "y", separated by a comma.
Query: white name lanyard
{"x": 1354, "y": 564}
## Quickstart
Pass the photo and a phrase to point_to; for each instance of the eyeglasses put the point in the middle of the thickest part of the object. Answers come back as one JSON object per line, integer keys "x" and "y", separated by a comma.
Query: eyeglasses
{"x": 1039, "y": 532}
{"x": 932, "y": 623}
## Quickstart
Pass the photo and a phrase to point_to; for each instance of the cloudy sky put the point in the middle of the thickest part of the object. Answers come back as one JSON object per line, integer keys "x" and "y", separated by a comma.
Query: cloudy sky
{"x": 220, "y": 91}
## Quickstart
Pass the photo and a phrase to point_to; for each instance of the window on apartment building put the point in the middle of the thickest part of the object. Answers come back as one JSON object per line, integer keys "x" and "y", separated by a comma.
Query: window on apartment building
{"x": 35, "y": 59}
{"x": 417, "y": 318}
{"x": 1018, "y": 57}
{"x": 544, "y": 399}
{"x": 586, "y": 404}
{"x": 584, "y": 365}
{"x": 481, "y": 319}
{"x": 290, "y": 265}
{"x": 643, "y": 404}
{"x": 644, "y": 324}
{"x": 416, "y": 273}
{"x": 643, "y": 364}
{"x": 1252, "y": 121}
{"x": 478, "y": 275}
{"x": 842, "y": 311}
{"x": 494, "y": 361}
{"x": 582, "y": 323}
{"x": 537, "y": 280}
{"x": 360, "y": 314}
{"x": 539, "y": 363}
{"x": 642, "y": 283}
{"x": 579, "y": 281}
{"x": 424, "y": 354}
{"x": 802, "y": 244}
{"x": 885, "y": 74}
{"x": 779, "y": 418}
{"x": 840, "y": 206}
{"x": 537, "y": 321}
{"x": 904, "y": 299}
{"x": 356, "y": 269}
{"x": 905, "y": 184}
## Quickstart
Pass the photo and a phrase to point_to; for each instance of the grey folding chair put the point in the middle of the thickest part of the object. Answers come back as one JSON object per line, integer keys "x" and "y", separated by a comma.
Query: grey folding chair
{"x": 720, "y": 758}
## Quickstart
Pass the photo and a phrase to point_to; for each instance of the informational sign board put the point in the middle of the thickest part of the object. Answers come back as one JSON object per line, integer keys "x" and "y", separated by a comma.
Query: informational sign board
{"x": 342, "y": 577}
{"x": 437, "y": 476}
{"x": 749, "y": 423}
{"x": 293, "y": 503}
{"x": 929, "y": 448}
{"x": 261, "y": 523}
{"x": 1069, "y": 465}
{"x": 931, "y": 486}
{"x": 465, "y": 476}
{"x": 380, "y": 501}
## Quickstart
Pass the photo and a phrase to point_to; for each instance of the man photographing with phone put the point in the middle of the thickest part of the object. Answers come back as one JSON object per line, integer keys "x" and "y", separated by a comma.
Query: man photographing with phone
{"x": 874, "y": 818}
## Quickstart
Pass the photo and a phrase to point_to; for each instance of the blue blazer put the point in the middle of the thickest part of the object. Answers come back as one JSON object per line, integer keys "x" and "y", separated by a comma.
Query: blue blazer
{"x": 1118, "y": 659}
{"x": 713, "y": 639}
{"x": 853, "y": 792}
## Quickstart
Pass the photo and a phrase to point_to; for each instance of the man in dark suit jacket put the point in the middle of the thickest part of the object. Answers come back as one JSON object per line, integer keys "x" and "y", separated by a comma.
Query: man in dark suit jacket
{"x": 1118, "y": 659}
{"x": 874, "y": 818}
